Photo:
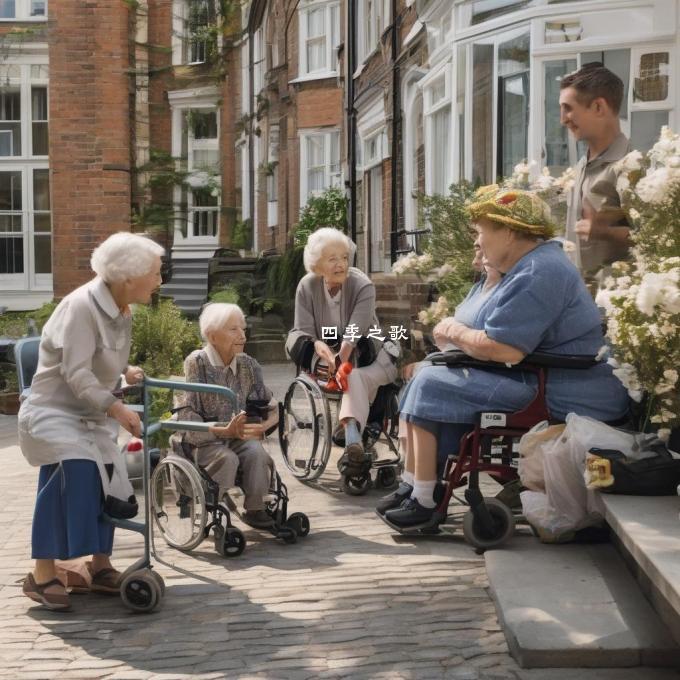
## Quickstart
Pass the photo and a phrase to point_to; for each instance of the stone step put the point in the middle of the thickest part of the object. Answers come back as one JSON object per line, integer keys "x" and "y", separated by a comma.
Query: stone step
{"x": 647, "y": 530}
{"x": 184, "y": 286}
{"x": 575, "y": 606}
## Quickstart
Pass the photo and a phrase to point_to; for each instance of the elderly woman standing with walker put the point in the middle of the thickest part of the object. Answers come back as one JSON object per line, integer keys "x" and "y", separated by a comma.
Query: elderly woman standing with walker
{"x": 336, "y": 296}
{"x": 65, "y": 425}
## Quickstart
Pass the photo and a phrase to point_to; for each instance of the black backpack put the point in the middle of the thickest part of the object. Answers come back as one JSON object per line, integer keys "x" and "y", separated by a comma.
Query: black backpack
{"x": 657, "y": 475}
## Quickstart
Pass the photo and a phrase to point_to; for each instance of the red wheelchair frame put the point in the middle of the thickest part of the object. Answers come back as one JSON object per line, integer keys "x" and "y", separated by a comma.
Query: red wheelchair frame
{"x": 490, "y": 522}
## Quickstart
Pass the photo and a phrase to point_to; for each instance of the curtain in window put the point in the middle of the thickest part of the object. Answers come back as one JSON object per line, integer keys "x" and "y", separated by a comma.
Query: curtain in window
{"x": 315, "y": 164}
{"x": 316, "y": 39}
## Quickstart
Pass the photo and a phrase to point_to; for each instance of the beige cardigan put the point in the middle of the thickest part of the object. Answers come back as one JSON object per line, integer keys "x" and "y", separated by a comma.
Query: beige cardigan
{"x": 312, "y": 314}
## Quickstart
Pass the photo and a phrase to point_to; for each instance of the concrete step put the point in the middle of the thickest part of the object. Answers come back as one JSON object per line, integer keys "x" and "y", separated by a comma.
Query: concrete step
{"x": 575, "y": 606}
{"x": 200, "y": 289}
{"x": 647, "y": 530}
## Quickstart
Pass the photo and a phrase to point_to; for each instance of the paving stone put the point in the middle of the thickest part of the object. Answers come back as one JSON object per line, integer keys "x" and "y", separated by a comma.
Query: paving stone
{"x": 350, "y": 601}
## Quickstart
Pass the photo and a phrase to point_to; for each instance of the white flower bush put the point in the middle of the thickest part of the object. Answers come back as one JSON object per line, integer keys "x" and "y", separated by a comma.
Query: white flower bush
{"x": 642, "y": 298}
{"x": 553, "y": 190}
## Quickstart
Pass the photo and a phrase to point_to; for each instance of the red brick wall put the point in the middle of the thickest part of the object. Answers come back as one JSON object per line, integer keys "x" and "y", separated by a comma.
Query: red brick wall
{"x": 89, "y": 132}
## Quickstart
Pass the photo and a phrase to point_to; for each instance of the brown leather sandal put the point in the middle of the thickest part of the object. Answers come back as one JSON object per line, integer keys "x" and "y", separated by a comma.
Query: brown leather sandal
{"x": 105, "y": 581}
{"x": 51, "y": 595}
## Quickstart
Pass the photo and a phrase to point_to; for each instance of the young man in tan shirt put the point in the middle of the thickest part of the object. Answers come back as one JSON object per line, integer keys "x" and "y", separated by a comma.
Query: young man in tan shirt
{"x": 590, "y": 100}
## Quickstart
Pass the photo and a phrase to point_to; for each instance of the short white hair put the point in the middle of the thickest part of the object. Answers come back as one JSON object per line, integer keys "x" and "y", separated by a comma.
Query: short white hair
{"x": 321, "y": 239}
{"x": 125, "y": 256}
{"x": 216, "y": 315}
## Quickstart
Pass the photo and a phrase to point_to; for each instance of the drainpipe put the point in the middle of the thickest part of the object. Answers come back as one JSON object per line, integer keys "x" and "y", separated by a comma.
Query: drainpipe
{"x": 396, "y": 134}
{"x": 253, "y": 122}
{"x": 350, "y": 62}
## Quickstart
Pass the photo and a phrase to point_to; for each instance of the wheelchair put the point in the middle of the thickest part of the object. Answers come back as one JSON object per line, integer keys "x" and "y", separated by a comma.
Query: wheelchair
{"x": 491, "y": 447}
{"x": 308, "y": 428}
{"x": 186, "y": 506}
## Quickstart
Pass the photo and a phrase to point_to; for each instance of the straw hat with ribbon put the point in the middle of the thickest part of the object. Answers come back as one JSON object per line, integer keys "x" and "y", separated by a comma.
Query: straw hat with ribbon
{"x": 520, "y": 210}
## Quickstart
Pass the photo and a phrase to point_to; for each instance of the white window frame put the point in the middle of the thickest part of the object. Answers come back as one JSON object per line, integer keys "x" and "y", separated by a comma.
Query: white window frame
{"x": 379, "y": 138}
{"x": 371, "y": 25}
{"x": 180, "y": 102}
{"x": 23, "y": 12}
{"x": 26, "y": 163}
{"x": 331, "y": 9}
{"x": 442, "y": 75}
{"x": 331, "y": 178}
{"x": 180, "y": 13}
{"x": 412, "y": 102}
{"x": 573, "y": 51}
{"x": 496, "y": 38}
{"x": 271, "y": 180}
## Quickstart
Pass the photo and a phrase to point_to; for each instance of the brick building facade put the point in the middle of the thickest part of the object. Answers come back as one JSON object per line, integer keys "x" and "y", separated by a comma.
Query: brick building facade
{"x": 213, "y": 130}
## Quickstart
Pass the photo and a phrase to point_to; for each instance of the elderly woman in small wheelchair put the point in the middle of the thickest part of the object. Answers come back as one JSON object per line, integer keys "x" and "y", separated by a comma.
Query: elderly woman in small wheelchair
{"x": 541, "y": 305}
{"x": 335, "y": 323}
{"x": 68, "y": 423}
{"x": 228, "y": 450}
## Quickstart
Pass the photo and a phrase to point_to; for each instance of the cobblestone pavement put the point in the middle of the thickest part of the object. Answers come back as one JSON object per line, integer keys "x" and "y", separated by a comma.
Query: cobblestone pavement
{"x": 350, "y": 600}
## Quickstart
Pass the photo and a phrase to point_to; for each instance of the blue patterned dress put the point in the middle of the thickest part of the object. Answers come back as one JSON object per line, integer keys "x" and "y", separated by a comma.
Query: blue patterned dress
{"x": 540, "y": 305}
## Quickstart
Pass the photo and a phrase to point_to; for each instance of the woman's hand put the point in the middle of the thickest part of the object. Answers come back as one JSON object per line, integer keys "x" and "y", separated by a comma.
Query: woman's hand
{"x": 234, "y": 430}
{"x": 128, "y": 419}
{"x": 346, "y": 350}
{"x": 445, "y": 332}
{"x": 324, "y": 352}
{"x": 133, "y": 375}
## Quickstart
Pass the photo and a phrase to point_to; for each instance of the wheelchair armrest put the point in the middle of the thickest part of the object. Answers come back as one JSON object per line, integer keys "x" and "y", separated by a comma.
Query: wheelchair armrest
{"x": 456, "y": 357}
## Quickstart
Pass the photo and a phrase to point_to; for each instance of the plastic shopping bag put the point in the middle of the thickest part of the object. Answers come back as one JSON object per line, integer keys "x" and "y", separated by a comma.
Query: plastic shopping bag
{"x": 567, "y": 504}
{"x": 532, "y": 448}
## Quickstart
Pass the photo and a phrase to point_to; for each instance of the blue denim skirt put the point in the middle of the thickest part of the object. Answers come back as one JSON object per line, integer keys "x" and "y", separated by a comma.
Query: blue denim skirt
{"x": 67, "y": 521}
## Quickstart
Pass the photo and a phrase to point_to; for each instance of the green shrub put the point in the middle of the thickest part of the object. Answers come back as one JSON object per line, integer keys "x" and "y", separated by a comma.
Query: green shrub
{"x": 9, "y": 381}
{"x": 228, "y": 293}
{"x": 15, "y": 324}
{"x": 162, "y": 338}
{"x": 329, "y": 209}
{"x": 450, "y": 243}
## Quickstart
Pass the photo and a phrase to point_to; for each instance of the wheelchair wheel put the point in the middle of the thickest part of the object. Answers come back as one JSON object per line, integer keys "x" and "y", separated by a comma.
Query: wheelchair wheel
{"x": 230, "y": 543}
{"x": 178, "y": 503}
{"x": 305, "y": 435}
{"x": 141, "y": 591}
{"x": 356, "y": 485}
{"x": 299, "y": 522}
{"x": 504, "y": 526}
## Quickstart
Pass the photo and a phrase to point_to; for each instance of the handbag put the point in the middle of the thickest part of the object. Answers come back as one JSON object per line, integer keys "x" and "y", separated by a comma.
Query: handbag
{"x": 658, "y": 474}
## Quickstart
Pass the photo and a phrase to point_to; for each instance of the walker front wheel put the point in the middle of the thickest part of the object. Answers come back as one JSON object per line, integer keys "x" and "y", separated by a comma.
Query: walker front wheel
{"x": 141, "y": 591}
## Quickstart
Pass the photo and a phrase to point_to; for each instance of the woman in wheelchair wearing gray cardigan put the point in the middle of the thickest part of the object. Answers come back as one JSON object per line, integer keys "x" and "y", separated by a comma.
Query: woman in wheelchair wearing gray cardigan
{"x": 540, "y": 305}
{"x": 334, "y": 314}
{"x": 231, "y": 443}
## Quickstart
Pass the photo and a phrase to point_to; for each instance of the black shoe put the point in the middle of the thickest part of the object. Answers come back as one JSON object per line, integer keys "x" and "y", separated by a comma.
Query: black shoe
{"x": 258, "y": 519}
{"x": 410, "y": 513}
{"x": 395, "y": 499}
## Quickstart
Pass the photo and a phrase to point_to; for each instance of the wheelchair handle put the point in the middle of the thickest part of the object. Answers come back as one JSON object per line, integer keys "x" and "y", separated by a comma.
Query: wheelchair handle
{"x": 193, "y": 387}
